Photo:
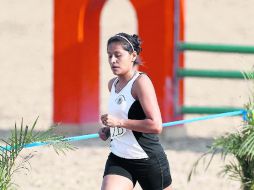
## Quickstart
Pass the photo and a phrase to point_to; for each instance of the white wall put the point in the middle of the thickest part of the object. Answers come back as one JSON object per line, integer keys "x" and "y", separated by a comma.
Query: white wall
{"x": 25, "y": 62}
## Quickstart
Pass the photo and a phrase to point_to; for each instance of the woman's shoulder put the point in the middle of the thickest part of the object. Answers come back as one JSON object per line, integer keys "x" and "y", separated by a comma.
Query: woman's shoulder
{"x": 142, "y": 79}
{"x": 110, "y": 83}
{"x": 142, "y": 83}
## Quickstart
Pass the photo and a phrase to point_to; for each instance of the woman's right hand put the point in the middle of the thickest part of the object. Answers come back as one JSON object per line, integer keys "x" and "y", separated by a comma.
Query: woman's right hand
{"x": 104, "y": 133}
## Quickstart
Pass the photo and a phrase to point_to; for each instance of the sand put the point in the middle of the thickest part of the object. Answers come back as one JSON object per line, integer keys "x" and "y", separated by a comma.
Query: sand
{"x": 26, "y": 90}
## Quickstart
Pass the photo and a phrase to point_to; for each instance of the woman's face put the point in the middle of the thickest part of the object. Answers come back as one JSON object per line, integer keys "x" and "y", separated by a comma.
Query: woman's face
{"x": 120, "y": 60}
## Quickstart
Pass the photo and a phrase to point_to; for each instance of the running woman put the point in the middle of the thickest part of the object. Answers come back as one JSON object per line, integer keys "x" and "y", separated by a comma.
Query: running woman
{"x": 133, "y": 123}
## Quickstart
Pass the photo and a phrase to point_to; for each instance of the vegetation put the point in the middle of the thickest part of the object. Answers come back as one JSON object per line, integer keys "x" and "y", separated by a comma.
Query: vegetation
{"x": 19, "y": 139}
{"x": 240, "y": 145}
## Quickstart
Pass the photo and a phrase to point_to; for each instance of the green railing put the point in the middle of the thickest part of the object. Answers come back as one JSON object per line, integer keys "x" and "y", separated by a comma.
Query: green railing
{"x": 207, "y": 110}
{"x": 211, "y": 74}
{"x": 215, "y": 48}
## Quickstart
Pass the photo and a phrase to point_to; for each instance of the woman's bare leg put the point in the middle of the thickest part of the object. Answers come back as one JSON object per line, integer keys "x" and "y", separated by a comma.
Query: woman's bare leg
{"x": 116, "y": 182}
{"x": 168, "y": 188}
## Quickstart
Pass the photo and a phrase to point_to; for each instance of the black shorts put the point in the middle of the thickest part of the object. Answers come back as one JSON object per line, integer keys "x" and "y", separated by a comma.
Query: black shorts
{"x": 152, "y": 173}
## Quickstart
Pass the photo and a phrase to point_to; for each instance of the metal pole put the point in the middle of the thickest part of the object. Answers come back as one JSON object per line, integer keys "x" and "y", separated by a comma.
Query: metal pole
{"x": 207, "y": 110}
{"x": 176, "y": 84}
{"x": 215, "y": 48}
{"x": 213, "y": 74}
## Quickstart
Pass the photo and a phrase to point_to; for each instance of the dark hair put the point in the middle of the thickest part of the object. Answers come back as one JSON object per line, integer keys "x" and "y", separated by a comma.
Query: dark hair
{"x": 133, "y": 39}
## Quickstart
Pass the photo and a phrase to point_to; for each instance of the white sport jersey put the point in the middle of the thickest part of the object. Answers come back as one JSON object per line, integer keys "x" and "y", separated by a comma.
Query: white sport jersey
{"x": 126, "y": 143}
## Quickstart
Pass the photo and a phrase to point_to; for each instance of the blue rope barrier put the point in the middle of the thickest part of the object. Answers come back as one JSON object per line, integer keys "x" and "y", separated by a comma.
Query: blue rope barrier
{"x": 169, "y": 124}
{"x": 180, "y": 122}
{"x": 82, "y": 137}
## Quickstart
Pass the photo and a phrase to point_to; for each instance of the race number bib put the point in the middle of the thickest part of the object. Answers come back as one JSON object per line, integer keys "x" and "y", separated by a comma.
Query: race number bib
{"x": 117, "y": 132}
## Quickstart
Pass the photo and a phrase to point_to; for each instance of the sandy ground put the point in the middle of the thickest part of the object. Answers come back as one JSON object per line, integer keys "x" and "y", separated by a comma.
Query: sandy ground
{"x": 26, "y": 89}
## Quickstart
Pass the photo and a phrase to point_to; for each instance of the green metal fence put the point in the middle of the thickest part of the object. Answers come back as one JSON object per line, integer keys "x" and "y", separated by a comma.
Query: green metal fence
{"x": 217, "y": 48}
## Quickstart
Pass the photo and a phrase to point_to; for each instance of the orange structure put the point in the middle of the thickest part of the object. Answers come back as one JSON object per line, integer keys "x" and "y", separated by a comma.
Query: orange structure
{"x": 76, "y": 56}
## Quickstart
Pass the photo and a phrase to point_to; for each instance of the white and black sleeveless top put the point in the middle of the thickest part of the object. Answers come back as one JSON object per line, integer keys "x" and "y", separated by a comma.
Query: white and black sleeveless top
{"x": 126, "y": 143}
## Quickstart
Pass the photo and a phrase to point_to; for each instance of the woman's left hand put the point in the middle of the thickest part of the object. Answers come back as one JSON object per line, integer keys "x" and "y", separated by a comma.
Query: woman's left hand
{"x": 110, "y": 121}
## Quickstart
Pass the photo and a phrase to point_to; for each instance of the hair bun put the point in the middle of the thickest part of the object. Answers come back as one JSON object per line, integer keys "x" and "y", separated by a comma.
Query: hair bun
{"x": 137, "y": 43}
